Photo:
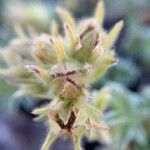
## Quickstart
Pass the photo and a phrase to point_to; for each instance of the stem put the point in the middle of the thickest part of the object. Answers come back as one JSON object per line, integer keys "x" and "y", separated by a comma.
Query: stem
{"x": 77, "y": 145}
{"x": 49, "y": 139}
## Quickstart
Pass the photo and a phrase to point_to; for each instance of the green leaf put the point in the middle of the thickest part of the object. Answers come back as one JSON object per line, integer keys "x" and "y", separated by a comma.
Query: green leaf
{"x": 101, "y": 99}
{"x": 66, "y": 17}
{"x": 92, "y": 111}
{"x": 81, "y": 117}
{"x": 113, "y": 34}
{"x": 100, "y": 13}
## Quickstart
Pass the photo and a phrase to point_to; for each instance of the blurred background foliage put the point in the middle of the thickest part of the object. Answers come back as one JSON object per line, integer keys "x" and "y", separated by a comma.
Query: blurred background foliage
{"x": 128, "y": 110}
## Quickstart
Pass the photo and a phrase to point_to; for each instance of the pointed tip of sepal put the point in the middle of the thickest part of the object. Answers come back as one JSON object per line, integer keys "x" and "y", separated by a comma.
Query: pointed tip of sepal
{"x": 74, "y": 39}
{"x": 40, "y": 73}
{"x": 113, "y": 34}
{"x": 59, "y": 48}
{"x": 66, "y": 16}
{"x": 100, "y": 13}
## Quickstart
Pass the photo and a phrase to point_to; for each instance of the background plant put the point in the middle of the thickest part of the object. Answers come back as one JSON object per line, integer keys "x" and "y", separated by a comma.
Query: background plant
{"x": 127, "y": 116}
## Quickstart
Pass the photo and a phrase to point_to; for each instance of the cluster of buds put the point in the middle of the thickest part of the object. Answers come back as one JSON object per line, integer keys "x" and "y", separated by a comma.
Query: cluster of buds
{"x": 62, "y": 68}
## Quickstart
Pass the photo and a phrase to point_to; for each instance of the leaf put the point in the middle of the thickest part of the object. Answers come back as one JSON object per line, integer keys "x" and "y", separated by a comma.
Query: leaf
{"x": 74, "y": 39}
{"x": 112, "y": 35}
{"x": 107, "y": 60}
{"x": 41, "y": 110}
{"x": 92, "y": 111}
{"x": 36, "y": 90}
{"x": 82, "y": 116}
{"x": 97, "y": 54}
{"x": 40, "y": 117}
{"x": 16, "y": 74}
{"x": 99, "y": 71}
{"x": 42, "y": 51}
{"x": 64, "y": 111}
{"x": 54, "y": 28}
{"x": 66, "y": 17}
{"x": 100, "y": 13}
{"x": 19, "y": 31}
{"x": 101, "y": 99}
{"x": 59, "y": 48}
{"x": 40, "y": 73}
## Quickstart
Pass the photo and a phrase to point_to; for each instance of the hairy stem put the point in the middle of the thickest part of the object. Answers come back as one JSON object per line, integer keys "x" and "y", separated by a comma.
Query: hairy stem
{"x": 48, "y": 141}
{"x": 77, "y": 142}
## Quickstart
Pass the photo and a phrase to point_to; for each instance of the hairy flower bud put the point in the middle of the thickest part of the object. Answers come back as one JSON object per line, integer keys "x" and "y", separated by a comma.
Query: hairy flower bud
{"x": 62, "y": 68}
